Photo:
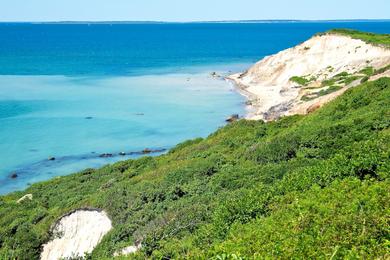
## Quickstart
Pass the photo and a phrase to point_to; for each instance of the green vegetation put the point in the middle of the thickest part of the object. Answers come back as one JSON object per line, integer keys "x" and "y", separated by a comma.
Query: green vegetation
{"x": 343, "y": 78}
{"x": 348, "y": 80}
{"x": 371, "y": 38}
{"x": 300, "y": 80}
{"x": 320, "y": 93}
{"x": 368, "y": 71}
{"x": 330, "y": 69}
{"x": 315, "y": 186}
{"x": 303, "y": 81}
{"x": 365, "y": 79}
{"x": 382, "y": 70}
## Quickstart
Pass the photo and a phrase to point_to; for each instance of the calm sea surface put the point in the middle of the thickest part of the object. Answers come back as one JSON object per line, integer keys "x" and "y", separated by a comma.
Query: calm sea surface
{"x": 74, "y": 91}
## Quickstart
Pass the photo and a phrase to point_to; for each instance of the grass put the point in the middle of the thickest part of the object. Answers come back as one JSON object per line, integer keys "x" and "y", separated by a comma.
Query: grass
{"x": 371, "y": 38}
{"x": 343, "y": 78}
{"x": 321, "y": 93}
{"x": 300, "y": 80}
{"x": 304, "y": 80}
{"x": 382, "y": 70}
{"x": 311, "y": 186}
{"x": 329, "y": 90}
{"x": 368, "y": 71}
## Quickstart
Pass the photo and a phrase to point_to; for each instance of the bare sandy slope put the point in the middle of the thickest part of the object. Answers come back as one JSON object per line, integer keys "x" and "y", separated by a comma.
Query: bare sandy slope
{"x": 76, "y": 234}
{"x": 267, "y": 84}
{"x": 128, "y": 250}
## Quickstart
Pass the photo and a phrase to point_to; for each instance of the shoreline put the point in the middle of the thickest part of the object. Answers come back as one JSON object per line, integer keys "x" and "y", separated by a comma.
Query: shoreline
{"x": 265, "y": 103}
{"x": 252, "y": 100}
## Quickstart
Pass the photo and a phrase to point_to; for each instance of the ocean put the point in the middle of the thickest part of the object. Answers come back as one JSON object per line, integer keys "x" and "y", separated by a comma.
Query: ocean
{"x": 76, "y": 91}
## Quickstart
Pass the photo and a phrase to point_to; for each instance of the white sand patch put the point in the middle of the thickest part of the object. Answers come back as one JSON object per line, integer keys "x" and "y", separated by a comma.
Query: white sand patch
{"x": 268, "y": 81}
{"x": 77, "y": 234}
{"x": 25, "y": 197}
{"x": 128, "y": 250}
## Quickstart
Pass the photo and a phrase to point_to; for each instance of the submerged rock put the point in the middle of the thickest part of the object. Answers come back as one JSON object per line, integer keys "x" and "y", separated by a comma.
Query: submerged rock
{"x": 105, "y": 155}
{"x": 159, "y": 150}
{"x": 146, "y": 150}
{"x": 215, "y": 74}
{"x": 232, "y": 118}
{"x": 14, "y": 175}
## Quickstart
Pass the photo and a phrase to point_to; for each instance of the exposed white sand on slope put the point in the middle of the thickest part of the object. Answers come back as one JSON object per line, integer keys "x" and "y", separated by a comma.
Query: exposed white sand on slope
{"x": 76, "y": 234}
{"x": 128, "y": 250}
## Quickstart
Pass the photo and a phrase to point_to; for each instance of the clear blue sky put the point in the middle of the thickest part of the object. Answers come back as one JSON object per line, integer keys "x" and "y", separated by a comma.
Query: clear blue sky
{"x": 190, "y": 10}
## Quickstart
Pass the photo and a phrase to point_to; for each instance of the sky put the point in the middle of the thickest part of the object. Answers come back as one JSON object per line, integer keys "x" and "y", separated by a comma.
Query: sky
{"x": 190, "y": 10}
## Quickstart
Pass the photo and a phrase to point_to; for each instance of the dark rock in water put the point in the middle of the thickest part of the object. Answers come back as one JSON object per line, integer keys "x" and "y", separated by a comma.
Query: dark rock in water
{"x": 51, "y": 158}
{"x": 89, "y": 117}
{"x": 214, "y": 74}
{"x": 105, "y": 155}
{"x": 122, "y": 153}
{"x": 159, "y": 150}
{"x": 146, "y": 150}
{"x": 14, "y": 175}
{"x": 233, "y": 118}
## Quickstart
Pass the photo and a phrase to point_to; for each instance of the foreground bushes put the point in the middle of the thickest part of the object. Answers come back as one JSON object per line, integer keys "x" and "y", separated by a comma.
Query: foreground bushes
{"x": 313, "y": 186}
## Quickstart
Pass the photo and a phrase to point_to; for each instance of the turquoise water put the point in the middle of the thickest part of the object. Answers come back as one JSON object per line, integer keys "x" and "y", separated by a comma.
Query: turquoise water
{"x": 77, "y": 91}
{"x": 75, "y": 119}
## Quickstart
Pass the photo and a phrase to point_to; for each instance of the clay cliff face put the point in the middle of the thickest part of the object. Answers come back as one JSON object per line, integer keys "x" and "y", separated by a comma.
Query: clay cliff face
{"x": 268, "y": 82}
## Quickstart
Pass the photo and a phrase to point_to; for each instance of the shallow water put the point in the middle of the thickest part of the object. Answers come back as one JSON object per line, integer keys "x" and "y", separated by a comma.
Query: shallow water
{"x": 77, "y": 118}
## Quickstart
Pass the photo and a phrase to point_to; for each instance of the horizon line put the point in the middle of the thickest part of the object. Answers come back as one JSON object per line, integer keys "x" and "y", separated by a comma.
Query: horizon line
{"x": 206, "y": 21}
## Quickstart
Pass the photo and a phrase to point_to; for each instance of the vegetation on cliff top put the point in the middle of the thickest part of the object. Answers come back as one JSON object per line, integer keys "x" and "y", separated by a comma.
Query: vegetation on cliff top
{"x": 371, "y": 38}
{"x": 315, "y": 186}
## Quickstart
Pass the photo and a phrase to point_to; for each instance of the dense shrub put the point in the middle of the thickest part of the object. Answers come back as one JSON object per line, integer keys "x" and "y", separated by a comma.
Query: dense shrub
{"x": 313, "y": 186}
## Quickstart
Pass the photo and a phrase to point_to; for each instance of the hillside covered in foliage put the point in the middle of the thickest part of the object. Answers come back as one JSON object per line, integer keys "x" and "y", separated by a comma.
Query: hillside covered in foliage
{"x": 303, "y": 186}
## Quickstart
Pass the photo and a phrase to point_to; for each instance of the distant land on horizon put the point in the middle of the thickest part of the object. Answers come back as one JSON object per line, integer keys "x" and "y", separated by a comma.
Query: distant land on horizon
{"x": 179, "y": 22}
